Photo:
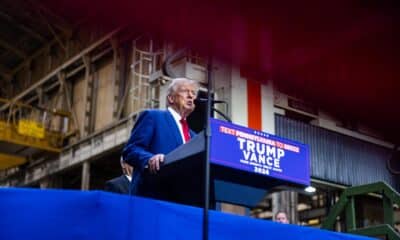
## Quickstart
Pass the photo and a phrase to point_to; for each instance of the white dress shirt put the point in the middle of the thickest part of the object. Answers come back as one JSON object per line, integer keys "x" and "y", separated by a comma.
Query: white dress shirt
{"x": 177, "y": 118}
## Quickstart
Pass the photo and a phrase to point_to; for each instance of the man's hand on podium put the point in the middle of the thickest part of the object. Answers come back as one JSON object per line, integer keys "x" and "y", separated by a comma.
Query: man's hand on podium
{"x": 155, "y": 162}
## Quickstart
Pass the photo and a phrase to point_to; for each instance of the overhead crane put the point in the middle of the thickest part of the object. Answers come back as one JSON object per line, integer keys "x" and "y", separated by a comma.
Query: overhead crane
{"x": 26, "y": 126}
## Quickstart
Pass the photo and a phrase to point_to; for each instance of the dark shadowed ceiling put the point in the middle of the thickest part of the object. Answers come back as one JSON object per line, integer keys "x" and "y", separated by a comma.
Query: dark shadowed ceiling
{"x": 340, "y": 55}
{"x": 25, "y": 27}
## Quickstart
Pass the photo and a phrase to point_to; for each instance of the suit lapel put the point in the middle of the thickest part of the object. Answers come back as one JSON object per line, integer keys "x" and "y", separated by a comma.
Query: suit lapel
{"x": 169, "y": 119}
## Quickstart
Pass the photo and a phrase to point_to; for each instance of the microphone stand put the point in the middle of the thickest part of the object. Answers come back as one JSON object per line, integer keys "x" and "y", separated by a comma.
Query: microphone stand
{"x": 213, "y": 109}
{"x": 207, "y": 137}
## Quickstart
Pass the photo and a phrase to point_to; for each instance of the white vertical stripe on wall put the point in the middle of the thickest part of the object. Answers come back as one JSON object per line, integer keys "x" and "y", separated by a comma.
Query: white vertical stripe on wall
{"x": 239, "y": 98}
{"x": 267, "y": 108}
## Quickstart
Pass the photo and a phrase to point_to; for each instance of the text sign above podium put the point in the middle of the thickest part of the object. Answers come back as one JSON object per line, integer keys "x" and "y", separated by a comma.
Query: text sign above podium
{"x": 258, "y": 152}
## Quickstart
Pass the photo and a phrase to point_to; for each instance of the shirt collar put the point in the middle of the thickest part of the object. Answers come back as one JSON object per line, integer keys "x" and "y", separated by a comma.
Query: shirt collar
{"x": 176, "y": 115}
{"x": 129, "y": 178}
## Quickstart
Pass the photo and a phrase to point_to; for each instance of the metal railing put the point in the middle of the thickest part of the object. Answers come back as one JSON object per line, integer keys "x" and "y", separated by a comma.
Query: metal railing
{"x": 346, "y": 204}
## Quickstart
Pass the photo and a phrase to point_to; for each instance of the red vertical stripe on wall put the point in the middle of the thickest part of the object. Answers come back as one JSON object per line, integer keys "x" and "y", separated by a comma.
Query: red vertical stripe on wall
{"x": 254, "y": 104}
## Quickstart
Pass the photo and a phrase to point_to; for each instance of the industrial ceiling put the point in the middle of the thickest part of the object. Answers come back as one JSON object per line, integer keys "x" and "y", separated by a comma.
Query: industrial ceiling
{"x": 340, "y": 55}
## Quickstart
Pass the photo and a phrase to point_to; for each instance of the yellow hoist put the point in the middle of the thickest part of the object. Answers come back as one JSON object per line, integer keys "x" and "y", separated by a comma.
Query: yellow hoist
{"x": 26, "y": 126}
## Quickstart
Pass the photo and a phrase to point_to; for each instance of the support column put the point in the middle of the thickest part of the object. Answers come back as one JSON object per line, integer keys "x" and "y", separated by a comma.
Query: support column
{"x": 85, "y": 184}
{"x": 293, "y": 214}
{"x": 116, "y": 74}
{"x": 88, "y": 125}
{"x": 351, "y": 214}
{"x": 275, "y": 199}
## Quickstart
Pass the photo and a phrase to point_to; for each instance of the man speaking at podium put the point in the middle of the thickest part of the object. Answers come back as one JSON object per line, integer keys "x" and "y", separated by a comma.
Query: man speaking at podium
{"x": 156, "y": 133}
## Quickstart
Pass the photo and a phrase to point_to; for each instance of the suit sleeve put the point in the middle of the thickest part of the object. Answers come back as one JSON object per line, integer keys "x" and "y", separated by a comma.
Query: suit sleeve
{"x": 192, "y": 133}
{"x": 109, "y": 187}
{"x": 137, "y": 150}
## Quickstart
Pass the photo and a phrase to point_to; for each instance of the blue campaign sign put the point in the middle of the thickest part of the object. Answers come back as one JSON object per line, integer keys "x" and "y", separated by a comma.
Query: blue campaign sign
{"x": 259, "y": 152}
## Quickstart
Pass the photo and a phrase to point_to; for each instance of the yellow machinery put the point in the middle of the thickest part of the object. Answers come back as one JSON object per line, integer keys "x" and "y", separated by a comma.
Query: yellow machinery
{"x": 30, "y": 127}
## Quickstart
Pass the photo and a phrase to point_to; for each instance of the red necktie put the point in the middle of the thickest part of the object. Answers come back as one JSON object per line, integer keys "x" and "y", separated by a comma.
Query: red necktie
{"x": 185, "y": 129}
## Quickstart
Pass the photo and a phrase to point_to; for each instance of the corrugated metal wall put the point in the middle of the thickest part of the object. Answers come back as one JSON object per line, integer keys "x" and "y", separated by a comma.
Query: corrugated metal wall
{"x": 339, "y": 158}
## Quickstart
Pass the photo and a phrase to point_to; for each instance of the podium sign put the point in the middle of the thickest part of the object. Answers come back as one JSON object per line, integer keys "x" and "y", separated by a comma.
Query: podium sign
{"x": 258, "y": 152}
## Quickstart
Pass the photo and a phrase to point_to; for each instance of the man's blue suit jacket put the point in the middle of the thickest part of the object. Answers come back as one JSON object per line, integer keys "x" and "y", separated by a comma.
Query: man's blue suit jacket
{"x": 155, "y": 132}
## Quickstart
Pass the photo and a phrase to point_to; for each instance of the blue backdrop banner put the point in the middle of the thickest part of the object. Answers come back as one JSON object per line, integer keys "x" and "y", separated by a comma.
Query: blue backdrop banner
{"x": 95, "y": 215}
